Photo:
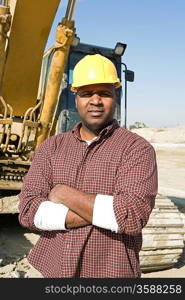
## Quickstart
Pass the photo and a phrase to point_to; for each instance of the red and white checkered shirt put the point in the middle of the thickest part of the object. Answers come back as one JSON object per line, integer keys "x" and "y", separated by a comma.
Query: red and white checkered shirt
{"x": 118, "y": 163}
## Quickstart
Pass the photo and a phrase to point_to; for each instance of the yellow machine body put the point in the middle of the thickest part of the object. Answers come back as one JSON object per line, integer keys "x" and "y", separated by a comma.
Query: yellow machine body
{"x": 27, "y": 117}
{"x": 31, "y": 24}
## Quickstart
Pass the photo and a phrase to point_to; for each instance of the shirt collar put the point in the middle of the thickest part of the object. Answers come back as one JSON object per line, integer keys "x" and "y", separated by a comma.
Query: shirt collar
{"x": 103, "y": 133}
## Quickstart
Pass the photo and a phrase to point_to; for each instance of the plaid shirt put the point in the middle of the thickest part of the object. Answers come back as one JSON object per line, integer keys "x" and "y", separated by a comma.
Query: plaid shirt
{"x": 118, "y": 163}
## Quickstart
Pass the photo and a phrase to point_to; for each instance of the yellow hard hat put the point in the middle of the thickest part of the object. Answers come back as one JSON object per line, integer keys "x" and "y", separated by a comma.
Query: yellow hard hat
{"x": 93, "y": 69}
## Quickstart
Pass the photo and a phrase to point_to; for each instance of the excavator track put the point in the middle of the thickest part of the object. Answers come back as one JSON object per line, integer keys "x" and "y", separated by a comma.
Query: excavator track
{"x": 163, "y": 236}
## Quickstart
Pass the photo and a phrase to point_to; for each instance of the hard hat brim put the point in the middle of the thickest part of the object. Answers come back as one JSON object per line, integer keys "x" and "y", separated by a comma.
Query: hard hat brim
{"x": 75, "y": 88}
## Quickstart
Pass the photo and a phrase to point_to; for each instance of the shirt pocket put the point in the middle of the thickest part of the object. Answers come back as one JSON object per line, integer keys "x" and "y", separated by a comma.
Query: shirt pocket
{"x": 100, "y": 176}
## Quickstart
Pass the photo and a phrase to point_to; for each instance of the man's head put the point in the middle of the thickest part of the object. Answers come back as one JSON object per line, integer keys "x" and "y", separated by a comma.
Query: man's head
{"x": 94, "y": 81}
{"x": 96, "y": 105}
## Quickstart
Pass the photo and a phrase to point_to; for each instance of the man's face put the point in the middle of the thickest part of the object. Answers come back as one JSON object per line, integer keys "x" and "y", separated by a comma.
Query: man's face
{"x": 96, "y": 105}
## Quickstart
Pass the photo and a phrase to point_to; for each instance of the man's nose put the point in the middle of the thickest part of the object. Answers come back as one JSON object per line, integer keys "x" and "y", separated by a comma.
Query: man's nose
{"x": 95, "y": 99}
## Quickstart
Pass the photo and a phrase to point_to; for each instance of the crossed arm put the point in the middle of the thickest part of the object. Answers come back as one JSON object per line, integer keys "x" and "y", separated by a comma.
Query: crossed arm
{"x": 80, "y": 204}
{"x": 70, "y": 208}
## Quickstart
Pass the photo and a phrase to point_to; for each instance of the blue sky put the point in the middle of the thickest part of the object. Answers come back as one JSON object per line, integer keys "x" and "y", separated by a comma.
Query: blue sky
{"x": 154, "y": 32}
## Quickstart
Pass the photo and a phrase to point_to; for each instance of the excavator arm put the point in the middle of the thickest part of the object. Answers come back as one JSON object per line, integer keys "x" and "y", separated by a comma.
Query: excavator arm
{"x": 25, "y": 46}
{"x": 26, "y": 117}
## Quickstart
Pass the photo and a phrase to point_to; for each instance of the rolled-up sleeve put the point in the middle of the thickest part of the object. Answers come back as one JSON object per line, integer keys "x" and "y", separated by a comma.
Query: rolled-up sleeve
{"x": 136, "y": 188}
{"x": 36, "y": 186}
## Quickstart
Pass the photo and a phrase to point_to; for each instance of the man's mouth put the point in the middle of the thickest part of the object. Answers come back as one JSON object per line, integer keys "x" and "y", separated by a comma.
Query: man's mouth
{"x": 95, "y": 113}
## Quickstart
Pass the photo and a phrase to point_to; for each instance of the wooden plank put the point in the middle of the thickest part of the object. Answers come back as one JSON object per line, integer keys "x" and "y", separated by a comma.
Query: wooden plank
{"x": 161, "y": 252}
{"x": 165, "y": 230}
{"x": 165, "y": 222}
{"x": 146, "y": 269}
{"x": 148, "y": 244}
{"x": 162, "y": 237}
{"x": 159, "y": 260}
{"x": 166, "y": 215}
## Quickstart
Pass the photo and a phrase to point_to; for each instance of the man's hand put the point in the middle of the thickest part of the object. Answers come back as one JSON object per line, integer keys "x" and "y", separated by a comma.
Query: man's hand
{"x": 79, "y": 202}
{"x": 59, "y": 193}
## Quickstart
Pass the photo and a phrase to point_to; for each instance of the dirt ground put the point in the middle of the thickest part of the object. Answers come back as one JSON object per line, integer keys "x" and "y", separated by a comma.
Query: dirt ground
{"x": 16, "y": 242}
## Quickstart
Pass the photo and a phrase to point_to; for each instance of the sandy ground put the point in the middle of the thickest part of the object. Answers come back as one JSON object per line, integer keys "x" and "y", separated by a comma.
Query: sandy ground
{"x": 16, "y": 242}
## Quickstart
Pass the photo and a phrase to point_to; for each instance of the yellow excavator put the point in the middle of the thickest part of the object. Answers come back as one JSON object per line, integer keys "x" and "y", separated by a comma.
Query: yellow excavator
{"x": 29, "y": 97}
{"x": 27, "y": 118}
{"x": 30, "y": 83}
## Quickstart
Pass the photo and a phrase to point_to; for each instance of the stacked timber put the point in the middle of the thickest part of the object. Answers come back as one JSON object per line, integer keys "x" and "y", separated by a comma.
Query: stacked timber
{"x": 163, "y": 236}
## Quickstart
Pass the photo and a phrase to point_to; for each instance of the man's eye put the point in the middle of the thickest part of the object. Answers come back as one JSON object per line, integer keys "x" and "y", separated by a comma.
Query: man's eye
{"x": 88, "y": 94}
{"x": 85, "y": 94}
{"x": 105, "y": 94}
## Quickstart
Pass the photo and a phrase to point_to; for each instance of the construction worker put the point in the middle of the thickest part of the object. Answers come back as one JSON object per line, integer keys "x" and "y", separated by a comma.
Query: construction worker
{"x": 91, "y": 190}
